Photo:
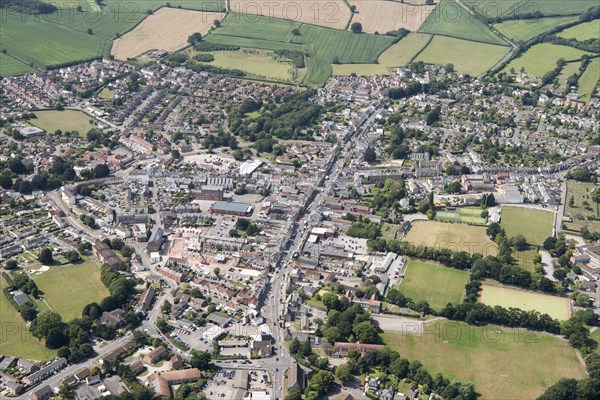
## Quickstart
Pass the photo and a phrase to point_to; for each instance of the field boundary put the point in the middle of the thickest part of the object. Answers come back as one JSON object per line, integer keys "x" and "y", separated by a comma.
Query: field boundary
{"x": 422, "y": 49}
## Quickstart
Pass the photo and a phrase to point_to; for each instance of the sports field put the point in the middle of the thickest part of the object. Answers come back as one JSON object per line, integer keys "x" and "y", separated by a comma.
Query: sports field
{"x": 67, "y": 120}
{"x": 450, "y": 19}
{"x": 525, "y": 29}
{"x": 68, "y": 289}
{"x": 468, "y": 57}
{"x": 582, "y": 32}
{"x": 533, "y": 223}
{"x": 456, "y": 237}
{"x": 469, "y": 215}
{"x": 541, "y": 58}
{"x": 158, "y": 32}
{"x": 556, "y": 307}
{"x": 589, "y": 79}
{"x": 583, "y": 205}
{"x": 397, "y": 55}
{"x": 15, "y": 339}
{"x": 384, "y": 16}
{"x": 434, "y": 283}
{"x": 502, "y": 363}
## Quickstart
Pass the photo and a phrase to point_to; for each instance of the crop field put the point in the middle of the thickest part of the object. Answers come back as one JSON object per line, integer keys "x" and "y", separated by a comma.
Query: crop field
{"x": 469, "y": 215}
{"x": 583, "y": 206}
{"x": 568, "y": 70}
{"x": 450, "y": 19}
{"x": 554, "y": 306}
{"x": 468, "y": 57}
{"x": 589, "y": 79}
{"x": 322, "y": 44}
{"x": 397, "y": 55}
{"x": 257, "y": 63}
{"x": 166, "y": 29}
{"x": 541, "y": 58}
{"x": 434, "y": 283}
{"x": 456, "y": 237}
{"x": 515, "y": 9}
{"x": 69, "y": 288}
{"x": 67, "y": 120}
{"x": 503, "y": 363}
{"x": 329, "y": 13}
{"x": 10, "y": 66}
{"x": 15, "y": 339}
{"x": 582, "y": 32}
{"x": 384, "y": 16}
{"x": 533, "y": 223}
{"x": 525, "y": 29}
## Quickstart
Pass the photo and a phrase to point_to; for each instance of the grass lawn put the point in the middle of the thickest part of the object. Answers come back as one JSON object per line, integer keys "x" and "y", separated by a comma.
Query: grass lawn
{"x": 556, "y": 307}
{"x": 450, "y": 19}
{"x": 468, "y": 215}
{"x": 257, "y": 63}
{"x": 589, "y": 79}
{"x": 15, "y": 339}
{"x": 541, "y": 58}
{"x": 524, "y": 259}
{"x": 397, "y": 55}
{"x": 468, "y": 57}
{"x": 525, "y": 29}
{"x": 457, "y": 237}
{"x": 67, "y": 120}
{"x": 434, "y": 283}
{"x": 106, "y": 93}
{"x": 568, "y": 70}
{"x": 388, "y": 231}
{"x": 581, "y": 32}
{"x": 503, "y": 363}
{"x": 596, "y": 336}
{"x": 581, "y": 192}
{"x": 533, "y": 223}
{"x": 68, "y": 289}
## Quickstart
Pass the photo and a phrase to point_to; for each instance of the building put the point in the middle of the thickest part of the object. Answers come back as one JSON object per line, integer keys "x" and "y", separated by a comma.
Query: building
{"x": 155, "y": 241}
{"x": 155, "y": 355}
{"x": 296, "y": 377}
{"x": 113, "y": 318}
{"x": 42, "y": 393}
{"x": 218, "y": 319}
{"x": 231, "y": 208}
{"x": 386, "y": 263}
{"x": 172, "y": 274}
{"x": 213, "y": 193}
{"x": 161, "y": 382}
{"x": 116, "y": 353}
{"x": 45, "y": 372}
{"x": 145, "y": 301}
{"x": 14, "y": 388}
{"x": 588, "y": 258}
{"x": 341, "y": 349}
{"x": 26, "y": 366}
{"x": 213, "y": 333}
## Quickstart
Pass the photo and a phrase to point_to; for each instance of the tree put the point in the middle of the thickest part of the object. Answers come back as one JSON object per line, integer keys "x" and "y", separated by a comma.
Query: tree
{"x": 493, "y": 230}
{"x": 550, "y": 243}
{"x": 356, "y": 27}
{"x": 90, "y": 31}
{"x": 321, "y": 381}
{"x": 217, "y": 23}
{"x": 6, "y": 180}
{"x": 11, "y": 264}
{"x": 166, "y": 307}
{"x": 369, "y": 155}
{"x": 519, "y": 242}
{"x": 200, "y": 360}
{"x": 596, "y": 199}
{"x": 293, "y": 394}
{"x": 296, "y": 32}
{"x": 194, "y": 38}
{"x": 28, "y": 312}
{"x": 49, "y": 326}
{"x": 572, "y": 201}
{"x": 117, "y": 244}
{"x": 365, "y": 332}
{"x": 294, "y": 346}
{"x": 45, "y": 256}
{"x": 433, "y": 116}
{"x": 100, "y": 171}
{"x": 344, "y": 373}
{"x": 332, "y": 334}
{"x": 217, "y": 271}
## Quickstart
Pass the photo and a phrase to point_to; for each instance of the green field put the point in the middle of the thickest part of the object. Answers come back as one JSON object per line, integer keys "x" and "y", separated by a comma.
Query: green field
{"x": 581, "y": 32}
{"x": 62, "y": 37}
{"x": 106, "y": 93}
{"x": 502, "y": 363}
{"x": 322, "y": 45}
{"x": 397, "y": 55}
{"x": 10, "y": 66}
{"x": 468, "y": 57}
{"x": 511, "y": 9}
{"x": 434, "y": 283}
{"x": 541, "y": 58}
{"x": 256, "y": 63}
{"x": 389, "y": 231}
{"x": 450, "y": 19}
{"x": 67, "y": 120}
{"x": 589, "y": 79}
{"x": 557, "y": 307}
{"x": 523, "y": 30}
{"x": 524, "y": 258}
{"x": 568, "y": 70}
{"x": 68, "y": 289}
{"x": 533, "y": 223}
{"x": 596, "y": 336}
{"x": 580, "y": 212}
{"x": 15, "y": 339}
{"x": 469, "y": 215}
{"x": 456, "y": 237}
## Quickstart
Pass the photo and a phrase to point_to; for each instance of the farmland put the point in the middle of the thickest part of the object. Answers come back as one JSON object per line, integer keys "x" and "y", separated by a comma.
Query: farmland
{"x": 67, "y": 120}
{"x": 541, "y": 58}
{"x": 582, "y": 32}
{"x": 256, "y": 63}
{"x": 515, "y": 9}
{"x": 588, "y": 80}
{"x": 457, "y": 237}
{"x": 69, "y": 288}
{"x": 533, "y": 223}
{"x": 556, "y": 307}
{"x": 434, "y": 283}
{"x": 10, "y": 66}
{"x": 156, "y": 32}
{"x": 583, "y": 206}
{"x": 322, "y": 44}
{"x": 15, "y": 339}
{"x": 450, "y": 19}
{"x": 503, "y": 363}
{"x": 568, "y": 70}
{"x": 397, "y": 55}
{"x": 468, "y": 57}
{"x": 332, "y": 14}
{"x": 523, "y": 30}
{"x": 384, "y": 16}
